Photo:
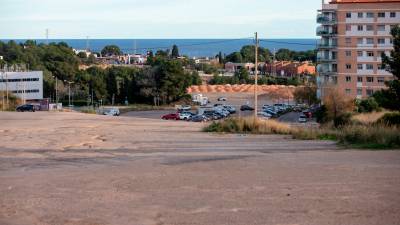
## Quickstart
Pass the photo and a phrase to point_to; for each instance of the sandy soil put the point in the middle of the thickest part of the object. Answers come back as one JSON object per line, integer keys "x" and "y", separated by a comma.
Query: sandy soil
{"x": 76, "y": 169}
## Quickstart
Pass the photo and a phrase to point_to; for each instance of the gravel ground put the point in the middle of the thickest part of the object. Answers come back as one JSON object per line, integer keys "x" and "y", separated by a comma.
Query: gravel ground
{"x": 77, "y": 169}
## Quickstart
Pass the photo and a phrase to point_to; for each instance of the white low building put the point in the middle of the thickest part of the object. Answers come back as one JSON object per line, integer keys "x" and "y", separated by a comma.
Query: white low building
{"x": 25, "y": 85}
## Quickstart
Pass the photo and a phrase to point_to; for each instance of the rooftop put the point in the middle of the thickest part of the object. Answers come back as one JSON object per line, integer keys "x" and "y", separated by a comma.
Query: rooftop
{"x": 361, "y": 1}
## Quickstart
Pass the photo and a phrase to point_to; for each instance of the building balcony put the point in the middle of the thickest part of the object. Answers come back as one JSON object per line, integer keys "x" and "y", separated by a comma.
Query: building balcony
{"x": 326, "y": 59}
{"x": 321, "y": 31}
{"x": 323, "y": 19}
{"x": 327, "y": 46}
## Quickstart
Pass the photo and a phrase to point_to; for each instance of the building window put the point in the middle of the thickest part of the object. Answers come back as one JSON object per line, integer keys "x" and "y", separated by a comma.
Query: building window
{"x": 360, "y": 41}
{"x": 348, "y": 27}
{"x": 381, "y": 27}
{"x": 348, "y": 91}
{"x": 348, "y": 78}
{"x": 370, "y": 27}
{"x": 381, "y": 41}
{"x": 370, "y": 15}
{"x": 380, "y": 53}
{"x": 348, "y": 15}
{"x": 359, "y": 91}
{"x": 381, "y": 15}
{"x": 348, "y": 53}
{"x": 370, "y": 79}
{"x": 360, "y": 27}
{"x": 370, "y": 66}
{"x": 360, "y": 15}
{"x": 359, "y": 79}
{"x": 348, "y": 40}
{"x": 370, "y": 92}
{"x": 359, "y": 66}
{"x": 370, "y": 41}
{"x": 381, "y": 80}
{"x": 391, "y": 41}
{"x": 348, "y": 66}
{"x": 370, "y": 53}
{"x": 392, "y": 14}
{"x": 360, "y": 53}
{"x": 381, "y": 67}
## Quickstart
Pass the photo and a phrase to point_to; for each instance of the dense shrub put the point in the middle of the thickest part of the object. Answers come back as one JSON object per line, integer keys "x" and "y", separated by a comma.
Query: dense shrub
{"x": 367, "y": 105}
{"x": 390, "y": 119}
{"x": 322, "y": 114}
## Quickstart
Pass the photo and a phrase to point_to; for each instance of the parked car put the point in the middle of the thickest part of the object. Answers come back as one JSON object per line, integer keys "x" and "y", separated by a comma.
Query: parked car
{"x": 307, "y": 113}
{"x": 111, "y": 112}
{"x": 272, "y": 113}
{"x": 222, "y": 99}
{"x": 264, "y": 114}
{"x": 172, "y": 116}
{"x": 199, "y": 118}
{"x": 246, "y": 108}
{"x": 218, "y": 105}
{"x": 184, "y": 108}
{"x": 26, "y": 107}
{"x": 185, "y": 115}
{"x": 302, "y": 119}
{"x": 230, "y": 109}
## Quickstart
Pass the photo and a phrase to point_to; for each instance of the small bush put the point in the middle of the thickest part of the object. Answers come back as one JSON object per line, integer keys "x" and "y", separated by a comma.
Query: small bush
{"x": 390, "y": 119}
{"x": 342, "y": 120}
{"x": 322, "y": 114}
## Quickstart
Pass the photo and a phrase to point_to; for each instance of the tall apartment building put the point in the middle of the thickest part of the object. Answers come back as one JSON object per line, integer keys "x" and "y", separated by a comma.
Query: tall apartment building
{"x": 354, "y": 34}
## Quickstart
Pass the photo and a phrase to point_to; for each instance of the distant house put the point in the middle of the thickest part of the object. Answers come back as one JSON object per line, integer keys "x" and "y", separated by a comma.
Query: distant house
{"x": 288, "y": 68}
{"x": 235, "y": 67}
{"x": 88, "y": 53}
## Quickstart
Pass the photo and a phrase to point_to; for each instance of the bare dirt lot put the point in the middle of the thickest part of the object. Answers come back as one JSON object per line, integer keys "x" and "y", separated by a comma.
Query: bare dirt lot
{"x": 77, "y": 169}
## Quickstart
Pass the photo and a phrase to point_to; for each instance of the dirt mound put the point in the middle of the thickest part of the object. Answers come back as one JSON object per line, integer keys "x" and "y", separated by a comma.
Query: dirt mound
{"x": 278, "y": 90}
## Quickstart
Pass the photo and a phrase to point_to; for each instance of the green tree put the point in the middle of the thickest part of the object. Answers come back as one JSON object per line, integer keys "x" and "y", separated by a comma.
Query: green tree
{"x": 175, "y": 52}
{"x": 390, "y": 97}
{"x": 111, "y": 50}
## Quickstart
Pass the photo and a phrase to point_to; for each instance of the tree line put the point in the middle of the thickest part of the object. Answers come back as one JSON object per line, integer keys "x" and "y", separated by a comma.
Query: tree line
{"x": 164, "y": 76}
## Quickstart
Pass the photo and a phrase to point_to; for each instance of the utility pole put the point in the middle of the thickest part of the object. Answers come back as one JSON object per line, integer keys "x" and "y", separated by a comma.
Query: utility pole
{"x": 256, "y": 77}
{"x": 87, "y": 43}
{"x": 47, "y": 36}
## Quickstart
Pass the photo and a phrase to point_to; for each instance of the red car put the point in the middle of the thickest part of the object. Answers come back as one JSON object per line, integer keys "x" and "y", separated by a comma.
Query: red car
{"x": 307, "y": 113}
{"x": 172, "y": 116}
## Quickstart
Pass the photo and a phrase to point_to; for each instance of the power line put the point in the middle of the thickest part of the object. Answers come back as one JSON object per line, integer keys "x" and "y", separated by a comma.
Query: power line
{"x": 190, "y": 45}
{"x": 288, "y": 43}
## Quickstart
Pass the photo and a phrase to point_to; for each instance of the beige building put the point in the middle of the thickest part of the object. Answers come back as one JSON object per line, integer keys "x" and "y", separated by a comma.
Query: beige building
{"x": 354, "y": 34}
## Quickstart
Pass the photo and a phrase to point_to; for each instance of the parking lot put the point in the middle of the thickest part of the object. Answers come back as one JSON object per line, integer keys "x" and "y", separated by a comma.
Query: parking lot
{"x": 232, "y": 99}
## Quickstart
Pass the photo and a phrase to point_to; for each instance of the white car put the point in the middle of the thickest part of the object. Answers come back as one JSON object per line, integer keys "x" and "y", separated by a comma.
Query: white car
{"x": 264, "y": 115}
{"x": 185, "y": 116}
{"x": 185, "y": 108}
{"x": 112, "y": 112}
{"x": 302, "y": 119}
{"x": 222, "y": 99}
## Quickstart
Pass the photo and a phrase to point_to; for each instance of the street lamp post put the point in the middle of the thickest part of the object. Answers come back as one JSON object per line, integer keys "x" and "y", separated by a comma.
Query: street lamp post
{"x": 69, "y": 92}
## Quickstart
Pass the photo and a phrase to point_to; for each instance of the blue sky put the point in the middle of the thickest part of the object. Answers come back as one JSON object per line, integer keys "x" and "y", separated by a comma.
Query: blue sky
{"x": 135, "y": 19}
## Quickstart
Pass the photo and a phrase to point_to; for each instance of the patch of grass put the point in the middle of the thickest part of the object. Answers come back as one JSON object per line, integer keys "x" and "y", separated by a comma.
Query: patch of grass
{"x": 89, "y": 111}
{"x": 376, "y": 136}
{"x": 142, "y": 107}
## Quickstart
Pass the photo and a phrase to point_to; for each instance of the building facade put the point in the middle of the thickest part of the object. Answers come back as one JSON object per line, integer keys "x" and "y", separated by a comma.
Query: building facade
{"x": 288, "y": 68}
{"x": 25, "y": 85}
{"x": 354, "y": 34}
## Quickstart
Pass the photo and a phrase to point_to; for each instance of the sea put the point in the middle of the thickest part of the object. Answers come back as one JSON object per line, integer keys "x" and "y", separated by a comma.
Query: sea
{"x": 189, "y": 47}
